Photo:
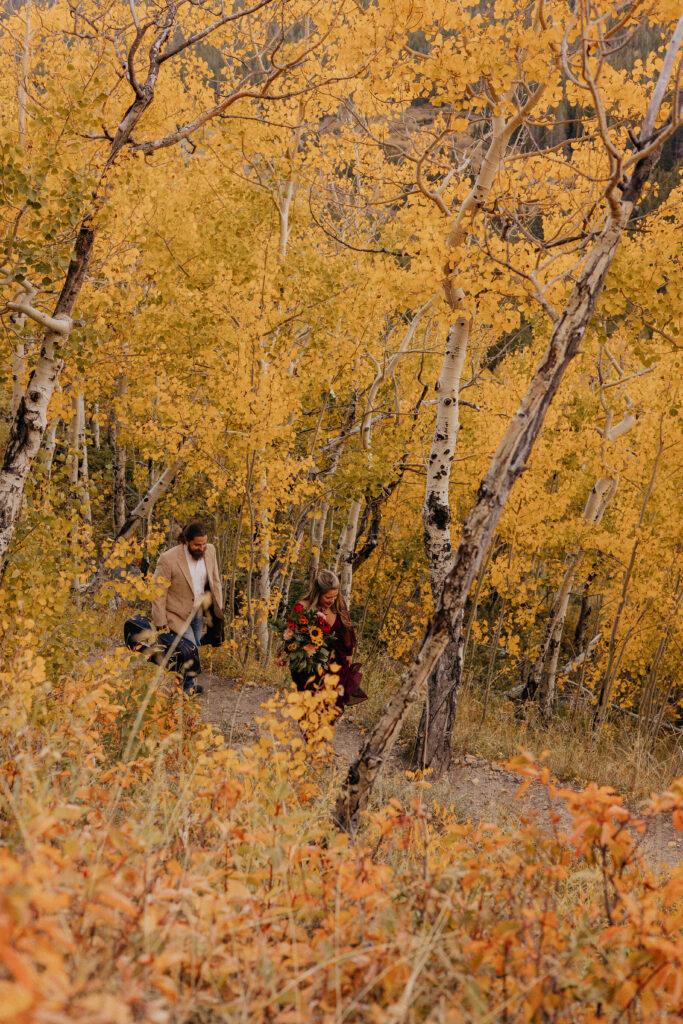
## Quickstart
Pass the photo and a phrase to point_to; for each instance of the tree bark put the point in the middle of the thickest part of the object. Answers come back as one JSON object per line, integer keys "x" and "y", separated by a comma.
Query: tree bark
{"x": 435, "y": 731}
{"x": 30, "y": 420}
{"x": 18, "y": 370}
{"x": 143, "y": 508}
{"x": 317, "y": 535}
{"x": 83, "y": 482}
{"x": 119, "y": 483}
{"x": 438, "y": 714}
{"x": 49, "y": 448}
{"x": 95, "y": 425}
{"x": 262, "y": 579}
{"x": 345, "y": 550}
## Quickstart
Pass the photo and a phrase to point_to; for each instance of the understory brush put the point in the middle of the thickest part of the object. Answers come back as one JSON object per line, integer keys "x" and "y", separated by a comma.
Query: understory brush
{"x": 149, "y": 872}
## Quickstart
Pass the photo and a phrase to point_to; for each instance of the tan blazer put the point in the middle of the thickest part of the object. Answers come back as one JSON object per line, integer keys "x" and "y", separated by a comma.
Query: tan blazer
{"x": 174, "y": 606}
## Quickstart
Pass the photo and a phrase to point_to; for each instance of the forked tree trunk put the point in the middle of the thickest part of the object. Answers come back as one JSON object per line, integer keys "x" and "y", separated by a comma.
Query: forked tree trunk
{"x": 507, "y": 465}
{"x": 438, "y": 715}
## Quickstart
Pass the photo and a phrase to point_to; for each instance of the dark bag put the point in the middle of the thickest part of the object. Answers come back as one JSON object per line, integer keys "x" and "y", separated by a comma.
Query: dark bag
{"x": 214, "y": 622}
{"x": 140, "y": 635}
{"x": 214, "y": 634}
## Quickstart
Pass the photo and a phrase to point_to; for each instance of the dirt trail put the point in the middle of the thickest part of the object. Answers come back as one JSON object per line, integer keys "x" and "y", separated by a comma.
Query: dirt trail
{"x": 479, "y": 790}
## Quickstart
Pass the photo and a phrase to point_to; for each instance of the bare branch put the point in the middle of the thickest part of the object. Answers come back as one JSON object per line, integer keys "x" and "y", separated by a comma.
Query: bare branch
{"x": 58, "y": 325}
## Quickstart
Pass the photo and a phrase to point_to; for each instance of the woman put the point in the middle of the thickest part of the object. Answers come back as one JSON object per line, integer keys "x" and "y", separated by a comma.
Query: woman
{"x": 324, "y": 595}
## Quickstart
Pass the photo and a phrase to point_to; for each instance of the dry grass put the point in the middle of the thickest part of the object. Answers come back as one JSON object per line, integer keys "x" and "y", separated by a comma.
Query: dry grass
{"x": 618, "y": 758}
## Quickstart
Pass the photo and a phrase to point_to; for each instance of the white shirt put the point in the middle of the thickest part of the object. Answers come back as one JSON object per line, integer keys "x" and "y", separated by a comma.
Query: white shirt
{"x": 198, "y": 575}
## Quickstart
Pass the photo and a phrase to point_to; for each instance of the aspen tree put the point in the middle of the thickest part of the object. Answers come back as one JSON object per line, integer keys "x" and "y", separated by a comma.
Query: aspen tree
{"x": 628, "y": 174}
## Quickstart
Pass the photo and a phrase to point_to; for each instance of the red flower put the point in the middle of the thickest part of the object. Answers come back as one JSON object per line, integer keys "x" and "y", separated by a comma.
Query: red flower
{"x": 298, "y": 607}
{"x": 291, "y": 624}
{"x": 326, "y": 627}
{"x": 303, "y": 621}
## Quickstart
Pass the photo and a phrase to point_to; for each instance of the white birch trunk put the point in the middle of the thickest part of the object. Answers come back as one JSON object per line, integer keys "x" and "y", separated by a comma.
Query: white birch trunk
{"x": 347, "y": 544}
{"x": 30, "y": 420}
{"x": 318, "y": 522}
{"x": 436, "y": 514}
{"x": 438, "y": 714}
{"x": 74, "y": 439}
{"x": 119, "y": 483}
{"x": 95, "y": 426}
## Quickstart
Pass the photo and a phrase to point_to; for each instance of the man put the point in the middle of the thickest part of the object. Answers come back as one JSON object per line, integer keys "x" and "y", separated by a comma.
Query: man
{"x": 191, "y": 570}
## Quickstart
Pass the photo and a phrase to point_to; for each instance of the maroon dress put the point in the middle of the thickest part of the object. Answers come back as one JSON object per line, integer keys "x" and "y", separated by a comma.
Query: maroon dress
{"x": 342, "y": 642}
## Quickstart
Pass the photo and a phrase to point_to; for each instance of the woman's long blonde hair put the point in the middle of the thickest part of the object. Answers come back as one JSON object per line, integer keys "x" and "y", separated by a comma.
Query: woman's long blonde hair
{"x": 323, "y": 582}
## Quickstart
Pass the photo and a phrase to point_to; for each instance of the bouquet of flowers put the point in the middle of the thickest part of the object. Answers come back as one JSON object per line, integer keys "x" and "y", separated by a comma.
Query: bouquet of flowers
{"x": 305, "y": 646}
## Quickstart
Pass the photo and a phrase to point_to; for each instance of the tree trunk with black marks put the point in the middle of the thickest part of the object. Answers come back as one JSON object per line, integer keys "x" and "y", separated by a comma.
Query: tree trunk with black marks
{"x": 30, "y": 420}
{"x": 433, "y": 747}
{"x": 318, "y": 522}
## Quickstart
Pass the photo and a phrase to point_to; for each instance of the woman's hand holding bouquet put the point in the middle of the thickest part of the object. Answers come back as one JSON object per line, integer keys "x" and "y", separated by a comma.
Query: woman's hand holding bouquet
{"x": 304, "y": 639}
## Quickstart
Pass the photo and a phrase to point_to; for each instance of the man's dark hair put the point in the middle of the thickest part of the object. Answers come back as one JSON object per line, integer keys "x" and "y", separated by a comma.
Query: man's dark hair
{"x": 195, "y": 528}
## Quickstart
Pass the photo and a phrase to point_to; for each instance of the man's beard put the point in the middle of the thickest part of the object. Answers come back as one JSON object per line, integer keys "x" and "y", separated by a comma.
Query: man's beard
{"x": 197, "y": 555}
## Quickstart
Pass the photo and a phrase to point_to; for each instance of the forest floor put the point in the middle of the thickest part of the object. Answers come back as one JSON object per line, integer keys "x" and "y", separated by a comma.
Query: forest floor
{"x": 479, "y": 790}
